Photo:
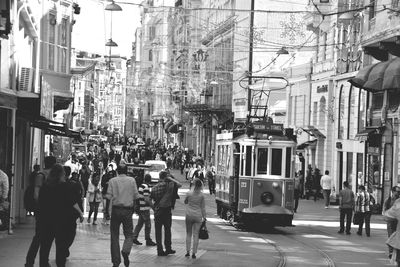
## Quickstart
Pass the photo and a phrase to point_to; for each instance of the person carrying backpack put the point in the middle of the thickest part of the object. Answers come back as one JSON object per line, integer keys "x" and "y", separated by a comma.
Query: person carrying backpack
{"x": 49, "y": 162}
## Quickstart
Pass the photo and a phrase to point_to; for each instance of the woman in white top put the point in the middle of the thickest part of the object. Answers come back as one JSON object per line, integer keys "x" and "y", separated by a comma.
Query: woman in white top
{"x": 195, "y": 214}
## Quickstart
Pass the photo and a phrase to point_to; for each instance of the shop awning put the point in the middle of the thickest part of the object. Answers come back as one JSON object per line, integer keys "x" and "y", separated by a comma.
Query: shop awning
{"x": 311, "y": 130}
{"x": 307, "y": 144}
{"x": 365, "y": 134}
{"x": 379, "y": 77}
{"x": 50, "y": 126}
{"x": 62, "y": 102}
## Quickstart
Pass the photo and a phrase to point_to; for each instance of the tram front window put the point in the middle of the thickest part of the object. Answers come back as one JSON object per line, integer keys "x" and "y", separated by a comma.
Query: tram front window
{"x": 276, "y": 162}
{"x": 262, "y": 161}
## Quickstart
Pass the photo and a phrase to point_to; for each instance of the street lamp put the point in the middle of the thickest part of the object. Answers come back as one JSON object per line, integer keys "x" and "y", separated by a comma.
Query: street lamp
{"x": 111, "y": 43}
{"x": 113, "y": 7}
{"x": 282, "y": 51}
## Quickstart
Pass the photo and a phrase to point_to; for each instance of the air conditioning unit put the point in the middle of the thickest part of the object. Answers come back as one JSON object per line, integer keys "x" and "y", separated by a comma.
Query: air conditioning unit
{"x": 26, "y": 78}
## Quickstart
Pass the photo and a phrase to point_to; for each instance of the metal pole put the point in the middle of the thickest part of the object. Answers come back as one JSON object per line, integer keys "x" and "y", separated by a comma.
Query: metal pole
{"x": 251, "y": 38}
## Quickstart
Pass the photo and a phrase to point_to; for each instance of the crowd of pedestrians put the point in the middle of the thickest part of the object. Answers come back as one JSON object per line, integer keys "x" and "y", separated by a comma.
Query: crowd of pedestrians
{"x": 99, "y": 179}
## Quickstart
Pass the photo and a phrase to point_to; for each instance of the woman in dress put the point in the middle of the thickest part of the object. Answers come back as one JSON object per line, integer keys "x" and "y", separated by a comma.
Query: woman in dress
{"x": 195, "y": 214}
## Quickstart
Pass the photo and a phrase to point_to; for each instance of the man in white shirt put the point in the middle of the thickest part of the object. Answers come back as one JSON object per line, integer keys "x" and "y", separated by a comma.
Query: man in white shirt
{"x": 122, "y": 192}
{"x": 326, "y": 184}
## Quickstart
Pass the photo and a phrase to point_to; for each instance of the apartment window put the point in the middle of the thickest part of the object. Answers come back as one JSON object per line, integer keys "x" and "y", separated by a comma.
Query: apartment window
{"x": 149, "y": 109}
{"x": 322, "y": 112}
{"x": 352, "y": 130}
{"x": 52, "y": 40}
{"x": 377, "y": 101}
{"x": 63, "y": 43}
{"x": 150, "y": 55}
{"x": 315, "y": 113}
{"x": 324, "y": 45}
{"x": 341, "y": 113}
{"x": 79, "y": 101}
{"x": 393, "y": 99}
{"x": 362, "y": 105}
{"x": 372, "y": 9}
{"x": 152, "y": 33}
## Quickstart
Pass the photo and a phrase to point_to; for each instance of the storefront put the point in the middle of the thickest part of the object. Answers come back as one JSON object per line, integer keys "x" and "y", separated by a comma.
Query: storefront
{"x": 382, "y": 82}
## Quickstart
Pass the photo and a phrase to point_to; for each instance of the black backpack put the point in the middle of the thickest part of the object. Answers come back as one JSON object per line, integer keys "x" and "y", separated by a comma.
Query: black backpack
{"x": 29, "y": 200}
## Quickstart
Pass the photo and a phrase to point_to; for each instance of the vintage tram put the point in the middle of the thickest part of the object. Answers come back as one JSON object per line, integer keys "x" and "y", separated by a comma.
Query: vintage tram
{"x": 255, "y": 175}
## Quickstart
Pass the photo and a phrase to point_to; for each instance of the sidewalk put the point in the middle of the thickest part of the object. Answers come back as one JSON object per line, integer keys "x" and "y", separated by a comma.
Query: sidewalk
{"x": 91, "y": 246}
{"x": 312, "y": 212}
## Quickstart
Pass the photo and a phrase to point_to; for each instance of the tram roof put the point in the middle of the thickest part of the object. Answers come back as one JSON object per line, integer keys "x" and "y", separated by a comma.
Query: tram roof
{"x": 232, "y": 136}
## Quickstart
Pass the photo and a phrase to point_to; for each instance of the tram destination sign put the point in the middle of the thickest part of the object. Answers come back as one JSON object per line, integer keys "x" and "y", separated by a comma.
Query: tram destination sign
{"x": 267, "y": 127}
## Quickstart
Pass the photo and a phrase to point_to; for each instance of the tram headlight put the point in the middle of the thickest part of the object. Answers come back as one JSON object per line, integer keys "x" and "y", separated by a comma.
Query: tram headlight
{"x": 275, "y": 185}
{"x": 267, "y": 198}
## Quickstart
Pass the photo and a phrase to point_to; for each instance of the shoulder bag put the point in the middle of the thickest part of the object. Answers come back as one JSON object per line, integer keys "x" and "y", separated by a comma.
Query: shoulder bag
{"x": 357, "y": 218}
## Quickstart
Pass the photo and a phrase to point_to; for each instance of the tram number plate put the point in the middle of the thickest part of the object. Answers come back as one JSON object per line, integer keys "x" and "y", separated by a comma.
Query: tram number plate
{"x": 243, "y": 201}
{"x": 243, "y": 184}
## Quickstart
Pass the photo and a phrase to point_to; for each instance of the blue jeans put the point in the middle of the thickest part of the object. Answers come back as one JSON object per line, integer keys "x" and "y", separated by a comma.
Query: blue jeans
{"x": 144, "y": 218}
{"x": 121, "y": 215}
{"x": 348, "y": 213}
{"x": 327, "y": 194}
{"x": 367, "y": 220}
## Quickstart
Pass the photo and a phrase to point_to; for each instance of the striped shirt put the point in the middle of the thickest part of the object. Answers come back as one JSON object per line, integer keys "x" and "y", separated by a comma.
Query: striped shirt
{"x": 144, "y": 192}
{"x": 363, "y": 202}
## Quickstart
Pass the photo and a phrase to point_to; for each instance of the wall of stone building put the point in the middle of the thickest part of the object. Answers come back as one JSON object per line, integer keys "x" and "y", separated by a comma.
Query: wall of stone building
{"x": 346, "y": 144}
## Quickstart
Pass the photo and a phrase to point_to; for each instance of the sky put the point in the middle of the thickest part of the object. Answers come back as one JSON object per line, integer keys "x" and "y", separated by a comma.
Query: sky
{"x": 92, "y": 28}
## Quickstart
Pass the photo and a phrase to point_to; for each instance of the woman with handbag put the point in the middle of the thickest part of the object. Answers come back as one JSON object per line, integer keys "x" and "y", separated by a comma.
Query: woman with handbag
{"x": 195, "y": 214}
{"x": 94, "y": 197}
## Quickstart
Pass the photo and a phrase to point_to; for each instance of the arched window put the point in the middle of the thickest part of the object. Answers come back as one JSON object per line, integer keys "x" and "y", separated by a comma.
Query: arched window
{"x": 341, "y": 113}
{"x": 352, "y": 120}
{"x": 322, "y": 112}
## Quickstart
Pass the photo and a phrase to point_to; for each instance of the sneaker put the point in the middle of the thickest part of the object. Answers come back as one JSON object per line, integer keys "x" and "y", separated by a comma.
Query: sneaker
{"x": 126, "y": 258}
{"x": 170, "y": 251}
{"x": 136, "y": 242}
{"x": 187, "y": 254}
{"x": 151, "y": 243}
{"x": 326, "y": 207}
{"x": 359, "y": 233}
{"x": 340, "y": 232}
{"x": 94, "y": 223}
{"x": 193, "y": 256}
{"x": 88, "y": 220}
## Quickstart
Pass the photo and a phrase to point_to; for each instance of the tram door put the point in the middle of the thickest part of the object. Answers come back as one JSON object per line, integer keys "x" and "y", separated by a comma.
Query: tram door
{"x": 234, "y": 180}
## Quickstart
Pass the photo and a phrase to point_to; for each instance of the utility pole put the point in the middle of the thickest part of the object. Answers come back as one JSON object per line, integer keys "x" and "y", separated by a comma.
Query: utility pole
{"x": 251, "y": 38}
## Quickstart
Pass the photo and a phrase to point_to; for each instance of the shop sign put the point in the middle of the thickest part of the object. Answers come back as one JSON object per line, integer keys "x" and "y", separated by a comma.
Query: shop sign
{"x": 46, "y": 99}
{"x": 373, "y": 150}
{"x": 322, "y": 88}
{"x": 240, "y": 101}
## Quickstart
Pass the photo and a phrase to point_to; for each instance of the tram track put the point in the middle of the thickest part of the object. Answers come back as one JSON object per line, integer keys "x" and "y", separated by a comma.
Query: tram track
{"x": 281, "y": 251}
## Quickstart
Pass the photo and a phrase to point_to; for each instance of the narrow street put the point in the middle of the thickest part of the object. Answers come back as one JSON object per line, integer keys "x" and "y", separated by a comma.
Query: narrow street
{"x": 313, "y": 242}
